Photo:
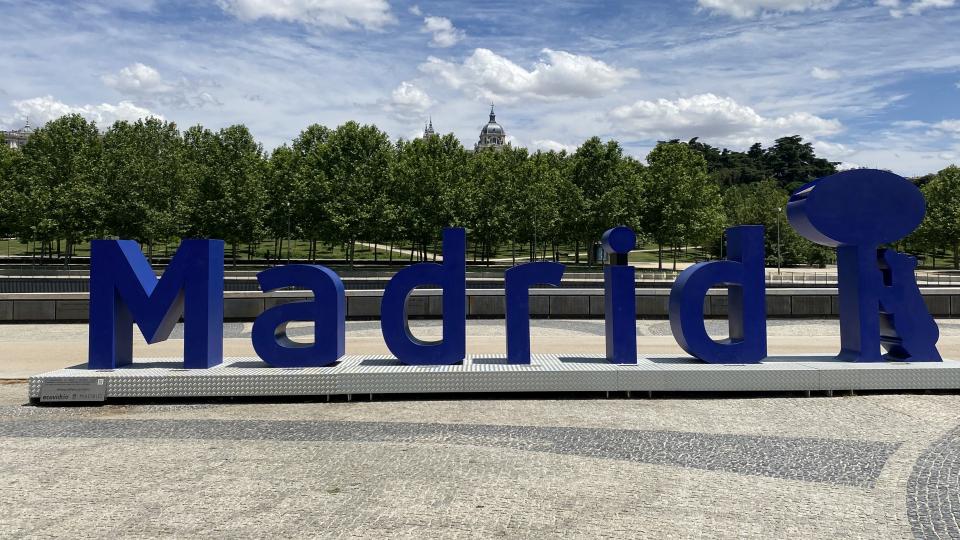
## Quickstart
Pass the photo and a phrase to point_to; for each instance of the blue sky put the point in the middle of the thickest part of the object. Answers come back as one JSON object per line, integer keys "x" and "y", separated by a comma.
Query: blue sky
{"x": 871, "y": 82}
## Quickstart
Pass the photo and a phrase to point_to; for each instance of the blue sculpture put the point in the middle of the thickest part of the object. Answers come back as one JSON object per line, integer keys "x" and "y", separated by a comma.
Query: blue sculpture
{"x": 327, "y": 311}
{"x": 880, "y": 305}
{"x": 451, "y": 277}
{"x": 619, "y": 296}
{"x": 517, "y": 283}
{"x": 124, "y": 290}
{"x": 743, "y": 275}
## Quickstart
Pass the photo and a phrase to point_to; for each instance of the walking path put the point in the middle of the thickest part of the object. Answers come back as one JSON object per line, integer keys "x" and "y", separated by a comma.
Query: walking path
{"x": 29, "y": 349}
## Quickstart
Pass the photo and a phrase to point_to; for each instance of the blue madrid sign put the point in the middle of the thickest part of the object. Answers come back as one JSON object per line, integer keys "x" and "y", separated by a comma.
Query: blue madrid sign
{"x": 857, "y": 212}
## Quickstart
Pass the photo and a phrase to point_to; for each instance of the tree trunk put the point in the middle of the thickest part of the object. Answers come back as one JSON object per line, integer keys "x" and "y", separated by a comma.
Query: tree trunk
{"x": 659, "y": 256}
{"x": 576, "y": 259}
{"x": 675, "y": 249}
{"x": 956, "y": 257}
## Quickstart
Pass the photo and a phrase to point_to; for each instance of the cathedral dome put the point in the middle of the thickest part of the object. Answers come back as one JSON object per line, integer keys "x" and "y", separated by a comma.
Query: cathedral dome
{"x": 492, "y": 128}
{"x": 492, "y": 134}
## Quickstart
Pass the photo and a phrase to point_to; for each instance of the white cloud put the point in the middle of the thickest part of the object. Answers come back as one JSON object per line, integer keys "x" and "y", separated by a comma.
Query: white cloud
{"x": 742, "y": 9}
{"x": 832, "y": 151}
{"x": 915, "y": 7}
{"x": 444, "y": 33}
{"x": 136, "y": 78}
{"x": 714, "y": 118}
{"x": 824, "y": 74}
{"x": 408, "y": 101}
{"x": 341, "y": 14}
{"x": 145, "y": 84}
{"x": 951, "y": 127}
{"x": 557, "y": 75}
{"x": 40, "y": 110}
{"x": 548, "y": 144}
{"x": 415, "y": 10}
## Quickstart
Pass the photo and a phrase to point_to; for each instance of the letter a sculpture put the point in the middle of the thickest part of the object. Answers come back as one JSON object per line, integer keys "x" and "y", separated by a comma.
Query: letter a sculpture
{"x": 880, "y": 305}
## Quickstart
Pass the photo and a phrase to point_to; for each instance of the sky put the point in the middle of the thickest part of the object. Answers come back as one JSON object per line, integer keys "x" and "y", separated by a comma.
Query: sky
{"x": 871, "y": 83}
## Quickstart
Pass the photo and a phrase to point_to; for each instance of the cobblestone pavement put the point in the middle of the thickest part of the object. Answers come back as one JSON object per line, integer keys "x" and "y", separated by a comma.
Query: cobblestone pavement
{"x": 933, "y": 492}
{"x": 871, "y": 466}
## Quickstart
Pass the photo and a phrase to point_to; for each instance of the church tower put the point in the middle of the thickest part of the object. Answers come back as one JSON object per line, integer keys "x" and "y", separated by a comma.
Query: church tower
{"x": 428, "y": 129}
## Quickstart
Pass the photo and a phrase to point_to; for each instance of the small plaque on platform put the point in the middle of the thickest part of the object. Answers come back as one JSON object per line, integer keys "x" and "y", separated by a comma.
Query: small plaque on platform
{"x": 73, "y": 389}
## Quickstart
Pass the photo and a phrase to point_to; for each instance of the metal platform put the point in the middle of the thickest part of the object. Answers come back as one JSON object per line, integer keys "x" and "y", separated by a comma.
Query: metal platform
{"x": 250, "y": 377}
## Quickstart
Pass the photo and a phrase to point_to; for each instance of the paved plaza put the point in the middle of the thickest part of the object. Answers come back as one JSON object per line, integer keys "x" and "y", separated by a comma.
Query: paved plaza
{"x": 675, "y": 466}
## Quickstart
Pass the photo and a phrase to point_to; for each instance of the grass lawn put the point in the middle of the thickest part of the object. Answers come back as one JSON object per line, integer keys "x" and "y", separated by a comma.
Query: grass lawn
{"x": 299, "y": 249}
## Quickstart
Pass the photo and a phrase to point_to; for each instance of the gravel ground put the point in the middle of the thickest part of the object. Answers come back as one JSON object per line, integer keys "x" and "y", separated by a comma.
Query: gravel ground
{"x": 872, "y": 466}
{"x": 864, "y": 466}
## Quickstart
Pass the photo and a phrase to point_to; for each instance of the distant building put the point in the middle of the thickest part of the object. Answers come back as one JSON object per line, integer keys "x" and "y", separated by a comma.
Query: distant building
{"x": 16, "y": 138}
{"x": 428, "y": 129}
{"x": 492, "y": 135}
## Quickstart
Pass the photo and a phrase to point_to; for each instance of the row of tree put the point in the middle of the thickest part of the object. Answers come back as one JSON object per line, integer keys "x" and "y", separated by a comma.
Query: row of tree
{"x": 149, "y": 181}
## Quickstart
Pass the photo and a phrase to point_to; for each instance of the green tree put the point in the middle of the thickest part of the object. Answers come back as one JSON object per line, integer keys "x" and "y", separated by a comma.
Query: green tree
{"x": 424, "y": 180}
{"x": 487, "y": 195}
{"x": 610, "y": 188}
{"x": 538, "y": 215}
{"x": 280, "y": 190}
{"x": 793, "y": 163}
{"x": 59, "y": 194}
{"x": 310, "y": 203}
{"x": 357, "y": 160}
{"x": 8, "y": 211}
{"x": 144, "y": 186}
{"x": 790, "y": 161}
{"x": 731, "y": 168}
{"x": 941, "y": 226}
{"x": 227, "y": 171}
{"x": 764, "y": 203}
{"x": 679, "y": 203}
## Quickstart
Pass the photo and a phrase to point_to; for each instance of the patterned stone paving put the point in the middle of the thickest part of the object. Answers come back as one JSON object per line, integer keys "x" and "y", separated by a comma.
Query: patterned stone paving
{"x": 852, "y": 463}
{"x": 859, "y": 466}
{"x": 933, "y": 492}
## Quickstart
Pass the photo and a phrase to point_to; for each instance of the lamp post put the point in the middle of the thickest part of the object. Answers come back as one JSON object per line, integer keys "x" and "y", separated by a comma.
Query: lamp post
{"x": 779, "y": 260}
{"x": 288, "y": 231}
{"x": 534, "y": 258}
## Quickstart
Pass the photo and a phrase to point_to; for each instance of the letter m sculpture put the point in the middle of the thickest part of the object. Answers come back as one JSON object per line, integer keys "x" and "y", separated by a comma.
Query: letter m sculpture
{"x": 124, "y": 290}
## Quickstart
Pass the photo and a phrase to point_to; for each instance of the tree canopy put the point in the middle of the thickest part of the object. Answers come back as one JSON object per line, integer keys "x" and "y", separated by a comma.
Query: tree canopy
{"x": 150, "y": 181}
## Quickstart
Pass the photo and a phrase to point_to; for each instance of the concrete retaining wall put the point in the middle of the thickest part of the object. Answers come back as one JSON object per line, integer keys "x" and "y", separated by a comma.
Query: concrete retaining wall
{"x": 481, "y": 303}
